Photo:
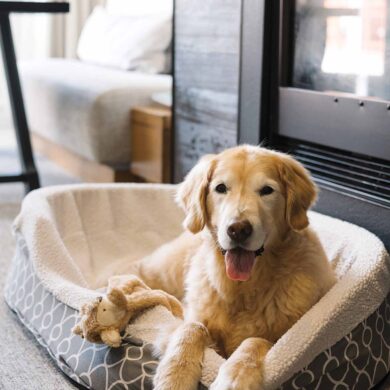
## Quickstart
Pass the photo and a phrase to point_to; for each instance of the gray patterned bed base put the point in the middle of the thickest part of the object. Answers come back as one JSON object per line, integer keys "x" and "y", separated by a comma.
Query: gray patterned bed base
{"x": 358, "y": 361}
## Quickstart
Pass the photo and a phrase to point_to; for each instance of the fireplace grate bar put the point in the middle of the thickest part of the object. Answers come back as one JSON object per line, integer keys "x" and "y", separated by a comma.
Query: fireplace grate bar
{"x": 363, "y": 177}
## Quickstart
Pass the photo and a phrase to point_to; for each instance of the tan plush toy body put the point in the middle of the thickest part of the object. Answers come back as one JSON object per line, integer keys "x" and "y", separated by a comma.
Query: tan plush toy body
{"x": 103, "y": 319}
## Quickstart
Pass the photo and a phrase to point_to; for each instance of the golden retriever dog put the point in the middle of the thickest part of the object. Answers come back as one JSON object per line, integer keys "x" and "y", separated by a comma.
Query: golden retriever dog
{"x": 247, "y": 269}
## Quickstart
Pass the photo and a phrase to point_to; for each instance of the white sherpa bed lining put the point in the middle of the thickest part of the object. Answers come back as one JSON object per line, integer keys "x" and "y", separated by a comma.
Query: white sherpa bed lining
{"x": 77, "y": 236}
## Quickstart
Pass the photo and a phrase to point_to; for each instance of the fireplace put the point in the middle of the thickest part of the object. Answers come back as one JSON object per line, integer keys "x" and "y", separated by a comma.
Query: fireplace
{"x": 315, "y": 82}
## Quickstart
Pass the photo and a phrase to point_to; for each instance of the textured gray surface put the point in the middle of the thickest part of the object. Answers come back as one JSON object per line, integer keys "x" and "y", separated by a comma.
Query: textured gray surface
{"x": 206, "y": 79}
{"x": 24, "y": 364}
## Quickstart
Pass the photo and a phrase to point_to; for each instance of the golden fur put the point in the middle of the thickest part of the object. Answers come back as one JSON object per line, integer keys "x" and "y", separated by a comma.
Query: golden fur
{"x": 241, "y": 319}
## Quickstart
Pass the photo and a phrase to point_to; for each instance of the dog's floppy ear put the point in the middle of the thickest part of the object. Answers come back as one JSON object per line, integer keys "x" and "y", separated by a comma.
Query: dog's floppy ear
{"x": 192, "y": 193}
{"x": 300, "y": 192}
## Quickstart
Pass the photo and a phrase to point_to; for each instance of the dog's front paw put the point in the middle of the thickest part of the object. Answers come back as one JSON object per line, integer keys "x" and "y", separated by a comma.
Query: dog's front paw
{"x": 174, "y": 375}
{"x": 237, "y": 377}
{"x": 181, "y": 366}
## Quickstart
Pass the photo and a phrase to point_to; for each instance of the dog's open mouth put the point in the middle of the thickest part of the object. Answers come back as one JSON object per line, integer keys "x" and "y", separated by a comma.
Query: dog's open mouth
{"x": 239, "y": 263}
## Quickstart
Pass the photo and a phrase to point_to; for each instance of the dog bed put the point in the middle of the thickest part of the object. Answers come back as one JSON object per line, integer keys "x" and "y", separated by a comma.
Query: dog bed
{"x": 70, "y": 239}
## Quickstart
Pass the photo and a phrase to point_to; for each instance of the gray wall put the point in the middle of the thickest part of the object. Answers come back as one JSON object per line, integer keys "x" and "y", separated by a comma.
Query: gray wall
{"x": 207, "y": 37}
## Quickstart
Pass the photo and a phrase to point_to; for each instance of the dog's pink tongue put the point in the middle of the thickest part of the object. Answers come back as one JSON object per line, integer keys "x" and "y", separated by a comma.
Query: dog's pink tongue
{"x": 239, "y": 263}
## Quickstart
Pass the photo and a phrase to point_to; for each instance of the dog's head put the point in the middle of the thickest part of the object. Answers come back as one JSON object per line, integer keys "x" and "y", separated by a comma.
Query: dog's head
{"x": 248, "y": 198}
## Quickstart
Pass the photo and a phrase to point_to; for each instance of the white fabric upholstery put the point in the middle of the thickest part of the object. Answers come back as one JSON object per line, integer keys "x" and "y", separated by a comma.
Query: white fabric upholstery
{"x": 86, "y": 108}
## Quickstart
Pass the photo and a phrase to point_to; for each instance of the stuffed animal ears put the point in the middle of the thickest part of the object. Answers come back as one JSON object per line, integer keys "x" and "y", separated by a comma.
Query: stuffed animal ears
{"x": 111, "y": 337}
{"x": 85, "y": 312}
{"x": 78, "y": 330}
{"x": 117, "y": 297}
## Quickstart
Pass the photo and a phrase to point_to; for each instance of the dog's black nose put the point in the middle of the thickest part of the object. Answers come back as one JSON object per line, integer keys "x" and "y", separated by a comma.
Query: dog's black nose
{"x": 240, "y": 231}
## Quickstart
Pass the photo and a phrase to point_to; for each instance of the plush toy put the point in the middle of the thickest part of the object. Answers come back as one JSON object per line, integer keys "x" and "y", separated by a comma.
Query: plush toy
{"x": 103, "y": 319}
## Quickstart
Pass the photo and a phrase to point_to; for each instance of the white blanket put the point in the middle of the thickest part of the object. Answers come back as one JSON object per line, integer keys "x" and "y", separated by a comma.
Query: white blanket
{"x": 77, "y": 236}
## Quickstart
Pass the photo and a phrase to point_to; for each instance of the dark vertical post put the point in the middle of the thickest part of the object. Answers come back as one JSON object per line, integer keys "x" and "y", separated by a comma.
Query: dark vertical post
{"x": 173, "y": 121}
{"x": 30, "y": 174}
{"x": 258, "y": 69}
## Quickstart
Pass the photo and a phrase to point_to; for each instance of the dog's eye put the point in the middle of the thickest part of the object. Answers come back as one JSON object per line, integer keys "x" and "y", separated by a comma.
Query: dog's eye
{"x": 266, "y": 190}
{"x": 221, "y": 188}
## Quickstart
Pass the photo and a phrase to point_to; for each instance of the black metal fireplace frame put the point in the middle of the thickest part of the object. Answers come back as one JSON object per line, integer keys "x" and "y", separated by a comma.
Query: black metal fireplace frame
{"x": 349, "y": 153}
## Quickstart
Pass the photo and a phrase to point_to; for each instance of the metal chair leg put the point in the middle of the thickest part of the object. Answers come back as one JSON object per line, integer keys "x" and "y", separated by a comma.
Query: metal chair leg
{"x": 29, "y": 175}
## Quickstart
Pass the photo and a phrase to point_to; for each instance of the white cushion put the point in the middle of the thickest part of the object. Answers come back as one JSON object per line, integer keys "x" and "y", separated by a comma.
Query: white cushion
{"x": 137, "y": 7}
{"x": 127, "y": 42}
